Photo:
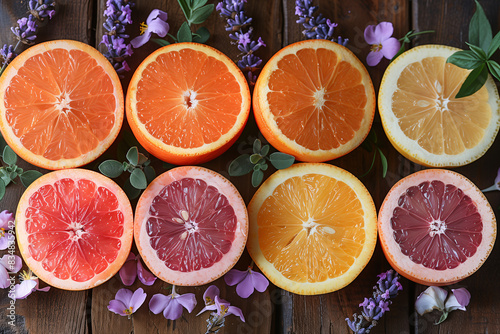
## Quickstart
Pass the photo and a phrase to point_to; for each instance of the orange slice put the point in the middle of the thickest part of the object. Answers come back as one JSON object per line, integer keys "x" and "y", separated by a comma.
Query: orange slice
{"x": 74, "y": 228}
{"x": 61, "y": 104}
{"x": 423, "y": 119}
{"x": 187, "y": 103}
{"x": 314, "y": 100}
{"x": 313, "y": 228}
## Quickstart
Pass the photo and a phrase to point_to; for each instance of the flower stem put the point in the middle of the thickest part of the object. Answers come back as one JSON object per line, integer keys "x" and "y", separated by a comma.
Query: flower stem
{"x": 492, "y": 188}
{"x": 173, "y": 289}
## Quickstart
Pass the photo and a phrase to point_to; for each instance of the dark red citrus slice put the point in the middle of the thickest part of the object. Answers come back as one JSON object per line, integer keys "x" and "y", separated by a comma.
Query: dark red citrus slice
{"x": 191, "y": 226}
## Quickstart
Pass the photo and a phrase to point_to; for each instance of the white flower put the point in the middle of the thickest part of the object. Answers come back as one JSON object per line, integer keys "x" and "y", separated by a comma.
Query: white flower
{"x": 433, "y": 298}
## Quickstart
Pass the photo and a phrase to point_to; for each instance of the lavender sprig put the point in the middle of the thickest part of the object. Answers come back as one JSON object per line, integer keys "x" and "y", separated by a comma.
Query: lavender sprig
{"x": 374, "y": 308}
{"x": 241, "y": 31}
{"x": 316, "y": 27}
{"x": 118, "y": 15}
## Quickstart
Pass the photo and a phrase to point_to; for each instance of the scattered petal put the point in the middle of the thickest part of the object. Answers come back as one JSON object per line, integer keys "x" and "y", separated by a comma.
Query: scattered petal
{"x": 458, "y": 300}
{"x": 432, "y": 298}
{"x": 235, "y": 276}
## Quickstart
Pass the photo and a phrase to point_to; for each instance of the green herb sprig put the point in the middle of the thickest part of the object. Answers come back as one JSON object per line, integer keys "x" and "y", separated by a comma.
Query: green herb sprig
{"x": 10, "y": 172}
{"x": 257, "y": 162}
{"x": 478, "y": 59}
{"x": 371, "y": 145}
{"x": 139, "y": 167}
{"x": 407, "y": 40}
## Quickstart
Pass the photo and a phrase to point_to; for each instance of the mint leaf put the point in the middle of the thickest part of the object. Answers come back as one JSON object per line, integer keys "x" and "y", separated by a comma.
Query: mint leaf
{"x": 281, "y": 160}
{"x": 201, "y": 36}
{"x": 138, "y": 179}
{"x": 111, "y": 168}
{"x": 184, "y": 33}
{"x": 480, "y": 29}
{"x": 5, "y": 176}
{"x": 480, "y": 54}
{"x": 494, "y": 68}
{"x": 185, "y": 8}
{"x": 160, "y": 41}
{"x": 133, "y": 155}
{"x": 199, "y": 15}
{"x": 464, "y": 59}
{"x": 495, "y": 44}
{"x": 29, "y": 177}
{"x": 257, "y": 177}
{"x": 474, "y": 81}
{"x": 9, "y": 156}
{"x": 240, "y": 166}
{"x": 198, "y": 3}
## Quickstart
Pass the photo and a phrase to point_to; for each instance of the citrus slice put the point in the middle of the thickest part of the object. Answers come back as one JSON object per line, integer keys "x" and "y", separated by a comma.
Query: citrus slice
{"x": 314, "y": 100}
{"x": 436, "y": 227}
{"x": 187, "y": 103}
{"x": 312, "y": 228}
{"x": 423, "y": 119}
{"x": 191, "y": 226}
{"x": 61, "y": 104}
{"x": 74, "y": 228}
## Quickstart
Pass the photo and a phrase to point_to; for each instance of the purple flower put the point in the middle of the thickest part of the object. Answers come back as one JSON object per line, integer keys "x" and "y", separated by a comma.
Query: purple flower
{"x": 42, "y": 8}
{"x": 224, "y": 309}
{"x": 209, "y": 298}
{"x": 132, "y": 268}
{"x": 381, "y": 41}
{"x": 155, "y": 23}
{"x": 495, "y": 186}
{"x": 126, "y": 302}
{"x": 172, "y": 305}
{"x": 247, "y": 281}
{"x": 435, "y": 298}
{"x": 6, "y": 225}
{"x": 9, "y": 264}
{"x": 28, "y": 285}
{"x": 459, "y": 299}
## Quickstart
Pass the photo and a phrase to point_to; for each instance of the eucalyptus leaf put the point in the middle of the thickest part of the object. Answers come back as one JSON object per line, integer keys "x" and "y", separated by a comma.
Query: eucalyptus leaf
{"x": 184, "y": 33}
{"x": 464, "y": 59}
{"x": 138, "y": 179}
{"x": 265, "y": 150}
{"x": 2, "y": 189}
{"x": 281, "y": 160}
{"x": 150, "y": 173}
{"x": 111, "y": 168}
{"x": 9, "y": 156}
{"x": 5, "y": 176}
{"x": 199, "y": 15}
{"x": 255, "y": 158}
{"x": 494, "y": 68}
{"x": 474, "y": 81}
{"x": 480, "y": 53}
{"x": 480, "y": 29}
{"x": 240, "y": 166}
{"x": 257, "y": 146}
{"x": 201, "y": 36}
{"x": 383, "y": 160}
{"x": 130, "y": 190}
{"x": 160, "y": 41}
{"x": 133, "y": 155}
{"x": 257, "y": 177}
{"x": 29, "y": 177}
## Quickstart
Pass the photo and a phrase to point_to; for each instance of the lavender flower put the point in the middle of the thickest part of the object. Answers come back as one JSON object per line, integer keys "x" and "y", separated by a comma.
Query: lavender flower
{"x": 375, "y": 307}
{"x": 316, "y": 27}
{"x": 221, "y": 309}
{"x": 42, "y": 9}
{"x": 127, "y": 302}
{"x": 241, "y": 32}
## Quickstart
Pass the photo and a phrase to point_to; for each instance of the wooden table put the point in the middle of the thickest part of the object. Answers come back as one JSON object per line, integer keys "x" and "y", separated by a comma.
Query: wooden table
{"x": 274, "y": 311}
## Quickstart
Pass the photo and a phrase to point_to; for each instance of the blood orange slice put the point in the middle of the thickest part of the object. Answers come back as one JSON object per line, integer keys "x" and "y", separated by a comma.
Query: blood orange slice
{"x": 61, "y": 104}
{"x": 74, "y": 228}
{"x": 191, "y": 226}
{"x": 436, "y": 227}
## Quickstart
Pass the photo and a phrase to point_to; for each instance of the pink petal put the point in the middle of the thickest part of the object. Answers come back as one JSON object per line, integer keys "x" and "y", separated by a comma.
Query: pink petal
{"x": 156, "y": 13}
{"x": 236, "y": 311}
{"x": 259, "y": 281}
{"x": 159, "y": 27}
{"x": 245, "y": 288}
{"x": 13, "y": 268}
{"x": 47, "y": 288}
{"x": 462, "y": 295}
{"x": 374, "y": 58}
{"x": 390, "y": 47}
{"x": 211, "y": 292}
{"x": 5, "y": 217}
{"x": 137, "y": 299}
{"x": 235, "y": 276}
{"x": 187, "y": 300}
{"x": 128, "y": 272}
{"x": 370, "y": 36}
{"x": 24, "y": 289}
{"x": 173, "y": 311}
{"x": 4, "y": 278}
{"x": 124, "y": 295}
{"x": 141, "y": 39}
{"x": 4, "y": 242}
{"x": 145, "y": 276}
{"x": 383, "y": 31}
{"x": 117, "y": 307}
{"x": 158, "y": 303}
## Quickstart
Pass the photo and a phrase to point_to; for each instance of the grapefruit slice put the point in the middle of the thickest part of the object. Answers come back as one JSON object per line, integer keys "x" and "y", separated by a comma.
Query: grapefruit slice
{"x": 423, "y": 119}
{"x": 74, "y": 228}
{"x": 436, "y": 227}
{"x": 313, "y": 228}
{"x": 187, "y": 103}
{"x": 191, "y": 226}
{"x": 61, "y": 104}
{"x": 314, "y": 100}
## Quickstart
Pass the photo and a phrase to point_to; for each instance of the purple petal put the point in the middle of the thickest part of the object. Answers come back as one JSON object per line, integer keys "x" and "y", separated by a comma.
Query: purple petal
{"x": 5, "y": 217}
{"x": 117, "y": 307}
{"x": 173, "y": 311}
{"x": 11, "y": 267}
{"x": 47, "y": 288}
{"x": 124, "y": 295}
{"x": 370, "y": 36}
{"x": 159, "y": 27}
{"x": 374, "y": 58}
{"x": 390, "y": 47}
{"x": 207, "y": 308}
{"x": 128, "y": 272}
{"x": 4, "y": 242}
{"x": 137, "y": 299}
{"x": 245, "y": 288}
{"x": 141, "y": 40}
{"x": 24, "y": 289}
{"x": 383, "y": 31}
{"x": 462, "y": 295}
{"x": 235, "y": 276}
{"x": 259, "y": 281}
{"x": 236, "y": 311}
{"x": 211, "y": 292}
{"x": 187, "y": 300}
{"x": 4, "y": 278}
{"x": 156, "y": 13}
{"x": 158, "y": 303}
{"x": 145, "y": 276}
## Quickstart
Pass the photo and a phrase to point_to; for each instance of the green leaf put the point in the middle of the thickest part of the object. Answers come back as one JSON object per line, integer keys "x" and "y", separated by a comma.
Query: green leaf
{"x": 257, "y": 178}
{"x": 5, "y": 176}
{"x": 264, "y": 151}
{"x": 185, "y": 8}
{"x": 199, "y": 15}
{"x": 480, "y": 29}
{"x": 442, "y": 318}
{"x": 400, "y": 51}
{"x": 160, "y": 41}
{"x": 474, "y": 81}
{"x": 138, "y": 179}
{"x": 9, "y": 156}
{"x": 264, "y": 166}
{"x": 198, "y": 3}
{"x": 383, "y": 160}
{"x": 240, "y": 166}
{"x": 3, "y": 143}
{"x": 142, "y": 159}
{"x": 481, "y": 55}
{"x": 201, "y": 36}
{"x": 184, "y": 33}
{"x": 257, "y": 146}
{"x": 133, "y": 155}
{"x": 367, "y": 145}
{"x": 257, "y": 167}
{"x": 255, "y": 158}
{"x": 150, "y": 173}
{"x": 495, "y": 44}
{"x": 130, "y": 190}
{"x": 494, "y": 68}
{"x": 2, "y": 189}
{"x": 111, "y": 168}
{"x": 281, "y": 160}
{"x": 464, "y": 59}
{"x": 29, "y": 176}
{"x": 371, "y": 167}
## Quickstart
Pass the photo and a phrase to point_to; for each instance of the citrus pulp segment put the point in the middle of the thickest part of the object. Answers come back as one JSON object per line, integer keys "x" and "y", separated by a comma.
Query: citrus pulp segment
{"x": 191, "y": 226}
{"x": 61, "y": 104}
{"x": 74, "y": 228}
{"x": 314, "y": 100}
{"x": 436, "y": 227}
{"x": 312, "y": 228}
{"x": 187, "y": 103}
{"x": 423, "y": 119}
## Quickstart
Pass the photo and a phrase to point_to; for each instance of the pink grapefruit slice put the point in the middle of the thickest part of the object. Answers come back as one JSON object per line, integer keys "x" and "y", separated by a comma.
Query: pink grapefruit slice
{"x": 74, "y": 228}
{"x": 436, "y": 227}
{"x": 191, "y": 226}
